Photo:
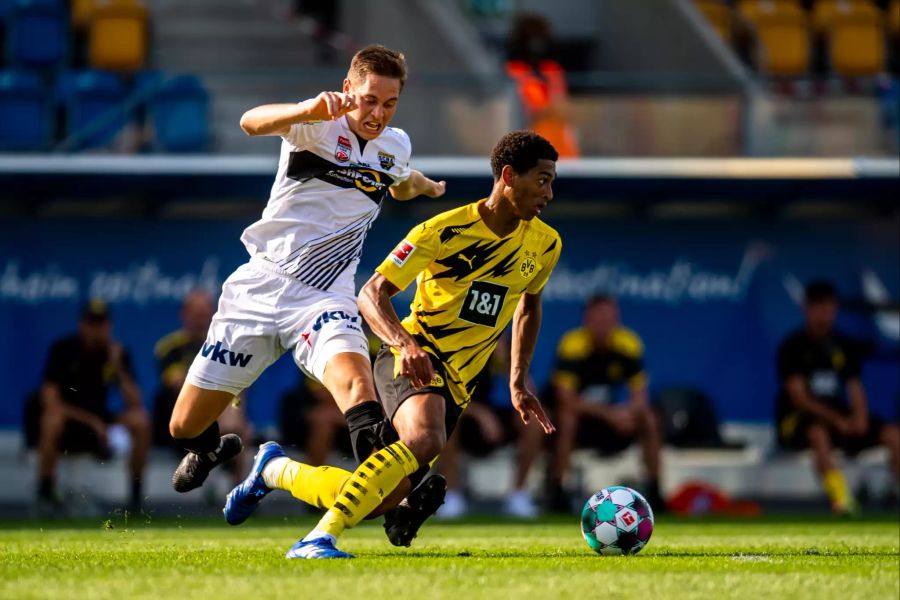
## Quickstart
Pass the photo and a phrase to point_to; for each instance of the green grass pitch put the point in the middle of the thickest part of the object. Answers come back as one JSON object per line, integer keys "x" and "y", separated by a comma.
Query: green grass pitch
{"x": 783, "y": 558}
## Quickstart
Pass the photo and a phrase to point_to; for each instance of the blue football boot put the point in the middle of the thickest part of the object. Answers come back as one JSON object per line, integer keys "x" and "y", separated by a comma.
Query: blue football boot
{"x": 246, "y": 496}
{"x": 320, "y": 547}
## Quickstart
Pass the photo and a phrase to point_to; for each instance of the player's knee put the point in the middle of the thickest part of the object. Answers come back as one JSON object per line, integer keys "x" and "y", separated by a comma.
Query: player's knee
{"x": 180, "y": 428}
{"x": 426, "y": 444}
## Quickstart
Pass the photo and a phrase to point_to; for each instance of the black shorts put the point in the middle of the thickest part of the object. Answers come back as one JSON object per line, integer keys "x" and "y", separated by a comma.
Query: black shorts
{"x": 392, "y": 392}
{"x": 600, "y": 436}
{"x": 792, "y": 434}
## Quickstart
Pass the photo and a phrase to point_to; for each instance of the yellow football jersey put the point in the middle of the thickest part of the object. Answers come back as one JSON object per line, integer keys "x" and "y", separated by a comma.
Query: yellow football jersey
{"x": 468, "y": 283}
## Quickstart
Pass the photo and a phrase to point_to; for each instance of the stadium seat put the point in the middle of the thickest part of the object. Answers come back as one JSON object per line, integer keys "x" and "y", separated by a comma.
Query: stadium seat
{"x": 92, "y": 102}
{"x": 24, "y": 116}
{"x": 180, "y": 115}
{"x": 854, "y": 35}
{"x": 719, "y": 16}
{"x": 37, "y": 34}
{"x": 81, "y": 12}
{"x": 782, "y": 34}
{"x": 117, "y": 36}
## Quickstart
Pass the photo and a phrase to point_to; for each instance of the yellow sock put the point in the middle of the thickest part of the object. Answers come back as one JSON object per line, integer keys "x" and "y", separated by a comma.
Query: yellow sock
{"x": 374, "y": 479}
{"x": 317, "y": 486}
{"x": 836, "y": 489}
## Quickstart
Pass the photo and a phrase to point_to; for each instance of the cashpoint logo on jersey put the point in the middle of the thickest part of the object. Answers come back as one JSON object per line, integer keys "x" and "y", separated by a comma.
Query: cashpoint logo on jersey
{"x": 402, "y": 252}
{"x": 342, "y": 152}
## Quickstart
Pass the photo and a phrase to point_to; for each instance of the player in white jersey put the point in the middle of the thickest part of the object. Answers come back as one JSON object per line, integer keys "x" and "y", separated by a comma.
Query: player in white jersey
{"x": 339, "y": 161}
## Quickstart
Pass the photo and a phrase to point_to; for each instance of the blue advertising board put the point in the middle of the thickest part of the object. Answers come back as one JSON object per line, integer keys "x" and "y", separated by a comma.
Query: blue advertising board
{"x": 710, "y": 298}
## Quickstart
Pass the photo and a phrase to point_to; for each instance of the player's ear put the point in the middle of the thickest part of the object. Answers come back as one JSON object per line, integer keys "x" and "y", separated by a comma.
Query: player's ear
{"x": 507, "y": 174}
{"x": 347, "y": 86}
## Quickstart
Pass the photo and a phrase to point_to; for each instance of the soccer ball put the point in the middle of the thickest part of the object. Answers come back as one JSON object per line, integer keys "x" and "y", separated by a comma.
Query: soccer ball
{"x": 617, "y": 520}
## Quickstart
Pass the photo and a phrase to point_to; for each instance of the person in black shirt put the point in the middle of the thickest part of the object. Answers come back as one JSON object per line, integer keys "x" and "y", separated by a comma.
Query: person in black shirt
{"x": 79, "y": 371}
{"x": 596, "y": 365}
{"x": 821, "y": 402}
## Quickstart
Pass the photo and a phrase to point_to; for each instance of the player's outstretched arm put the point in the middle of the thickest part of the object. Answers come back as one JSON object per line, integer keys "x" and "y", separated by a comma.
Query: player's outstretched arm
{"x": 276, "y": 119}
{"x": 374, "y": 303}
{"x": 526, "y": 325}
{"x": 418, "y": 185}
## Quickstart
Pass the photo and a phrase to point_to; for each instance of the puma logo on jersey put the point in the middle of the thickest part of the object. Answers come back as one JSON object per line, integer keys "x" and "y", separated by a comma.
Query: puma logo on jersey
{"x": 218, "y": 353}
{"x": 468, "y": 260}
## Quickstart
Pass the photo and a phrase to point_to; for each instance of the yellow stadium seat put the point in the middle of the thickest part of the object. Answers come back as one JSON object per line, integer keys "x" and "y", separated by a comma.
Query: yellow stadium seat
{"x": 856, "y": 44}
{"x": 117, "y": 36}
{"x": 719, "y": 16}
{"x": 825, "y": 11}
{"x": 750, "y": 9}
{"x": 783, "y": 39}
{"x": 81, "y": 13}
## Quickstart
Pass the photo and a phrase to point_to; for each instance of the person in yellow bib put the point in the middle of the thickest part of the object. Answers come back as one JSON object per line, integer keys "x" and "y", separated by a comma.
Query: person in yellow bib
{"x": 476, "y": 269}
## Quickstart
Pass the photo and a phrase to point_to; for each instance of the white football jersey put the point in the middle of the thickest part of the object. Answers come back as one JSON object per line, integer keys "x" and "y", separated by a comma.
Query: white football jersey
{"x": 326, "y": 194}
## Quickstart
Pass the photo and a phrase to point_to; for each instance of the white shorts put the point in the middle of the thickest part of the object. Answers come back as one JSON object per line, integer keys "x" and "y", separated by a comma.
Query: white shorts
{"x": 263, "y": 313}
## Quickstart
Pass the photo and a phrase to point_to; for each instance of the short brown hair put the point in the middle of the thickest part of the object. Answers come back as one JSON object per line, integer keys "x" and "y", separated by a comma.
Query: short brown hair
{"x": 378, "y": 60}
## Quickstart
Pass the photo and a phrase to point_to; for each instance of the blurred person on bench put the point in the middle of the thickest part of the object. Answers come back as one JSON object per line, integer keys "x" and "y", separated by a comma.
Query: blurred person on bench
{"x": 822, "y": 403}
{"x": 74, "y": 414}
{"x": 596, "y": 365}
{"x": 174, "y": 354}
{"x": 490, "y": 422}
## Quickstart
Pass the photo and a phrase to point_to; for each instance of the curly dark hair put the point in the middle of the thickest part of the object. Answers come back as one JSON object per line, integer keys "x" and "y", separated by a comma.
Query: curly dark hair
{"x": 378, "y": 60}
{"x": 521, "y": 150}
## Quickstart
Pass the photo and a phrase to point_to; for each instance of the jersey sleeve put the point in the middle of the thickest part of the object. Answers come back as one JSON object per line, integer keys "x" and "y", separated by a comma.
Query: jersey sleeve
{"x": 57, "y": 362}
{"x": 631, "y": 348}
{"x": 852, "y": 360}
{"x": 306, "y": 134}
{"x": 411, "y": 256}
{"x": 549, "y": 258}
{"x": 789, "y": 362}
{"x": 570, "y": 356}
{"x": 401, "y": 170}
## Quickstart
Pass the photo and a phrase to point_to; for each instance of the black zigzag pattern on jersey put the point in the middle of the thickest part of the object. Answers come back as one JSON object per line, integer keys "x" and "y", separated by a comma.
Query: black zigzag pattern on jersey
{"x": 503, "y": 267}
{"x": 550, "y": 247}
{"x": 437, "y": 332}
{"x": 468, "y": 260}
{"x": 305, "y": 165}
{"x": 451, "y": 231}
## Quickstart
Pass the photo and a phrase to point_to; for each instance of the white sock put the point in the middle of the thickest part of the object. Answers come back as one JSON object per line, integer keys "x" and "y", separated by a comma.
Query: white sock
{"x": 316, "y": 534}
{"x": 272, "y": 471}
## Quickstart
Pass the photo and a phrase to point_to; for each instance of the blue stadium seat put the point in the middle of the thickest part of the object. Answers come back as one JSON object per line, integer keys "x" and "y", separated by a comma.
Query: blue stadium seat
{"x": 24, "y": 115}
{"x": 180, "y": 113}
{"x": 92, "y": 102}
{"x": 37, "y": 33}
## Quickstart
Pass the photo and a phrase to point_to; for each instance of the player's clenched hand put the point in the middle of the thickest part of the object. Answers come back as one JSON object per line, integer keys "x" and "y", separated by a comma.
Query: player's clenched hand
{"x": 415, "y": 364}
{"x": 527, "y": 405}
{"x": 336, "y": 104}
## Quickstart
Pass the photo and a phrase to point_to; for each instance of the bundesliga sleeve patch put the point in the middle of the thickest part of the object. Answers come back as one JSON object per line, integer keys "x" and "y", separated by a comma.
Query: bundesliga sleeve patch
{"x": 402, "y": 252}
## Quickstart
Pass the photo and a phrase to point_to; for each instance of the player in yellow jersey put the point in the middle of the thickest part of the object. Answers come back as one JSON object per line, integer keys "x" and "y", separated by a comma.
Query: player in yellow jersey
{"x": 477, "y": 268}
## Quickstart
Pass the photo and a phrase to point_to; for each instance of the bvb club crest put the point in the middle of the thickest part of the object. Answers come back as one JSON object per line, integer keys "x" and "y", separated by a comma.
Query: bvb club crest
{"x": 528, "y": 266}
